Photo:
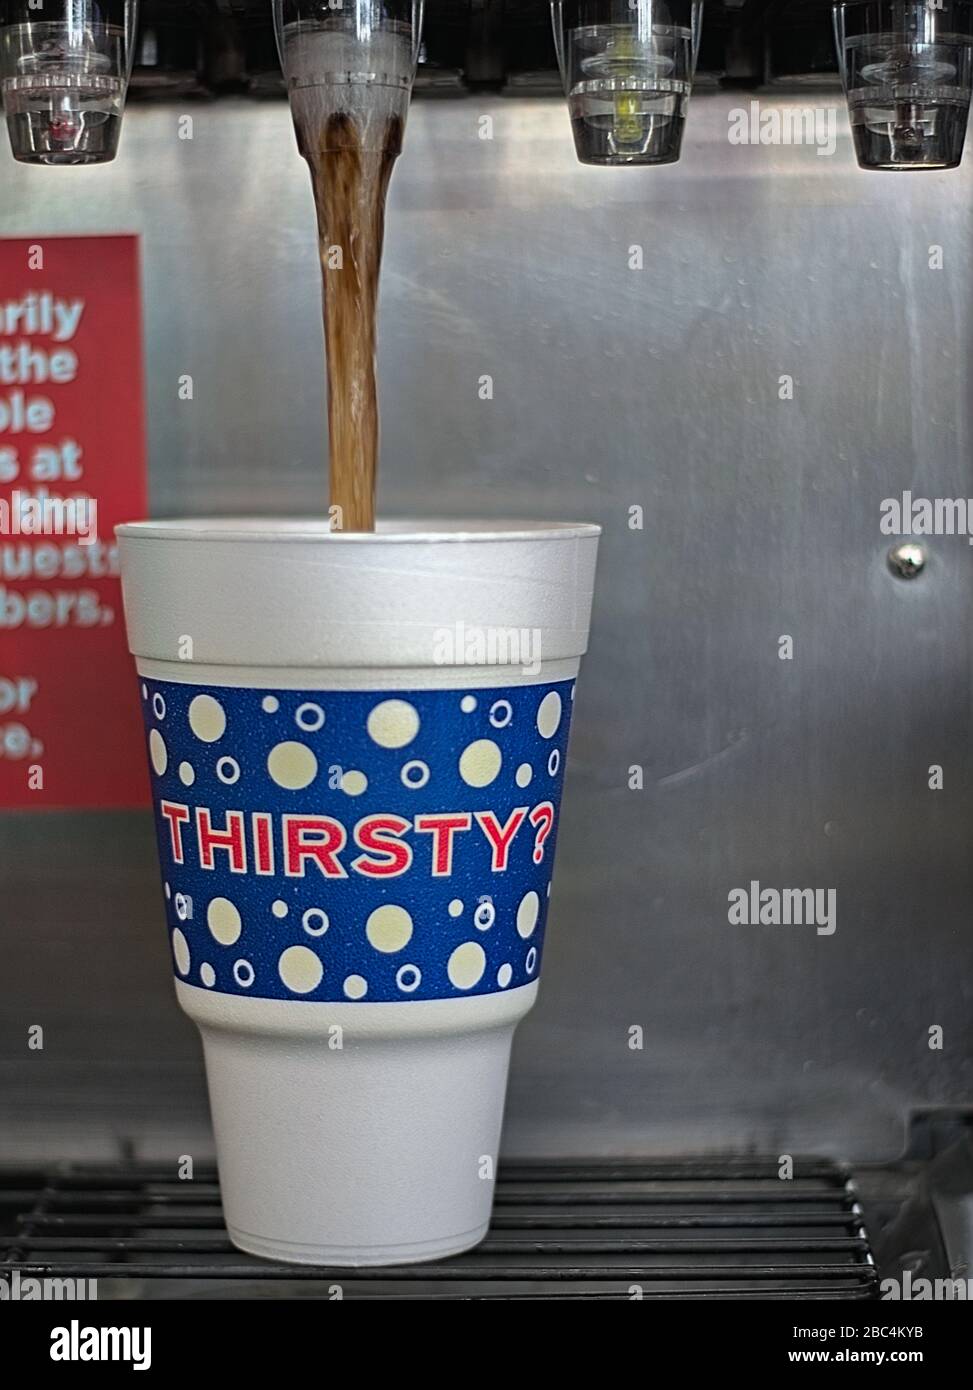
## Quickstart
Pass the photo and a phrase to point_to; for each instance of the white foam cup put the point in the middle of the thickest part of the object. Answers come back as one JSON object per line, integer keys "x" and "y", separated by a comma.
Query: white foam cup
{"x": 357, "y": 747}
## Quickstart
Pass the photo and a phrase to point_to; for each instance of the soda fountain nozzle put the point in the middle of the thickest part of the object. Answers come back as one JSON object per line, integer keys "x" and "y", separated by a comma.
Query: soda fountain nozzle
{"x": 907, "y": 70}
{"x": 349, "y": 69}
{"x": 628, "y": 68}
{"x": 356, "y": 60}
{"x": 64, "y": 70}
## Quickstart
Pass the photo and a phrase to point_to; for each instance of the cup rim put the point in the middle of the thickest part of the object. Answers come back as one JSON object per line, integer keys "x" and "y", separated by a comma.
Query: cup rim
{"x": 391, "y": 531}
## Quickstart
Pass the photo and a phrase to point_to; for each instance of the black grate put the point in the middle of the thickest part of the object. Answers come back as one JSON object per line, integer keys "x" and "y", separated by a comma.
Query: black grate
{"x": 691, "y": 1229}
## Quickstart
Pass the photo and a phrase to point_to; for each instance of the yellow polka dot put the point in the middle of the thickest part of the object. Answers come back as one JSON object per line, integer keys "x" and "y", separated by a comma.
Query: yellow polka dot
{"x": 480, "y": 762}
{"x": 300, "y": 969}
{"x": 355, "y": 987}
{"x": 158, "y": 752}
{"x": 527, "y": 914}
{"x": 206, "y": 718}
{"x": 549, "y": 715}
{"x": 292, "y": 765}
{"x": 354, "y": 783}
{"x": 389, "y": 928}
{"x": 466, "y": 965}
{"x": 180, "y": 949}
{"x": 223, "y": 920}
{"x": 393, "y": 724}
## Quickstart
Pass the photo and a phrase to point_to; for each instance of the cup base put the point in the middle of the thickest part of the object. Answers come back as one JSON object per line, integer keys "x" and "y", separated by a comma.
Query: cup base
{"x": 364, "y": 1145}
{"x": 357, "y": 1257}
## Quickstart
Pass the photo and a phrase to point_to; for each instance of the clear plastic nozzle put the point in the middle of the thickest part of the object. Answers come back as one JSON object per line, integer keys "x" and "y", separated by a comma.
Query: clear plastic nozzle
{"x": 907, "y": 70}
{"x": 64, "y": 72}
{"x": 356, "y": 60}
{"x": 628, "y": 68}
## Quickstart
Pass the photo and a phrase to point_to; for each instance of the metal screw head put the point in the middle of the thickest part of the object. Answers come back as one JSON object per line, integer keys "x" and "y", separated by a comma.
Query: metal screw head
{"x": 907, "y": 560}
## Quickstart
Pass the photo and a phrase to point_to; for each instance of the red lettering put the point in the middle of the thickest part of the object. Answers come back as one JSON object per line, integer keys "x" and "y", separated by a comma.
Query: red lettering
{"x": 177, "y": 816}
{"x": 263, "y": 845}
{"x": 231, "y": 839}
{"x": 378, "y": 835}
{"x": 443, "y": 827}
{"x": 500, "y": 836}
{"x": 318, "y": 838}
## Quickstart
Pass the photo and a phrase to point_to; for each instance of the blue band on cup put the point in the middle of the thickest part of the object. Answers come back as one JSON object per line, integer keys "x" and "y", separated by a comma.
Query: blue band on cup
{"x": 344, "y": 845}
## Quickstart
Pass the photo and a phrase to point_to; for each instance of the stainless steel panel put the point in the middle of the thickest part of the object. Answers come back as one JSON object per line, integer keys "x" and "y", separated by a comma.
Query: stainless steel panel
{"x": 614, "y": 388}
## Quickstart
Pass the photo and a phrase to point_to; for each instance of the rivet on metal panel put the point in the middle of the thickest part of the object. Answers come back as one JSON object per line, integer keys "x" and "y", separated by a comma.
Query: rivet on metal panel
{"x": 907, "y": 560}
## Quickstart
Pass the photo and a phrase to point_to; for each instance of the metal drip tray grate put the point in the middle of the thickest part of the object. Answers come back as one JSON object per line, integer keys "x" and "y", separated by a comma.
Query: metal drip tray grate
{"x": 692, "y": 1229}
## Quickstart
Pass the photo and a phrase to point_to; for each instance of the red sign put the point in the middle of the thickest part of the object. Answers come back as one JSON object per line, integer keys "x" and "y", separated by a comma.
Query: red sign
{"x": 72, "y": 465}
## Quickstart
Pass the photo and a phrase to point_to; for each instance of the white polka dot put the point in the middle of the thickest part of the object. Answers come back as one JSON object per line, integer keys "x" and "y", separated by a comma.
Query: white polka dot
{"x": 531, "y": 961}
{"x": 223, "y": 920}
{"x": 501, "y": 713}
{"x": 279, "y": 908}
{"x": 554, "y": 762}
{"x": 389, "y": 928}
{"x": 228, "y": 771}
{"x": 524, "y": 773}
{"x": 408, "y": 978}
{"x": 180, "y": 950}
{"x": 158, "y": 752}
{"x": 292, "y": 765}
{"x": 187, "y": 774}
{"x": 548, "y": 890}
{"x": 270, "y": 704}
{"x": 355, "y": 987}
{"x": 466, "y": 965}
{"x": 527, "y": 914}
{"x": 145, "y": 693}
{"x": 309, "y": 717}
{"x": 315, "y": 921}
{"x": 206, "y": 718}
{"x": 243, "y": 973}
{"x": 484, "y": 916}
{"x": 353, "y": 783}
{"x": 479, "y": 763}
{"x": 468, "y": 704}
{"x": 572, "y": 692}
{"x": 393, "y": 724}
{"x": 456, "y": 908}
{"x": 300, "y": 969}
{"x": 549, "y": 715}
{"x": 168, "y": 890}
{"x": 415, "y": 775}
{"x": 505, "y": 974}
{"x": 207, "y": 974}
{"x": 158, "y": 706}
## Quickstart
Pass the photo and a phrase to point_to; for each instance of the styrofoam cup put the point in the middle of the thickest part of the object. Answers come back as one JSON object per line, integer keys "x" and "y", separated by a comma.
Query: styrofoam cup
{"x": 357, "y": 747}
